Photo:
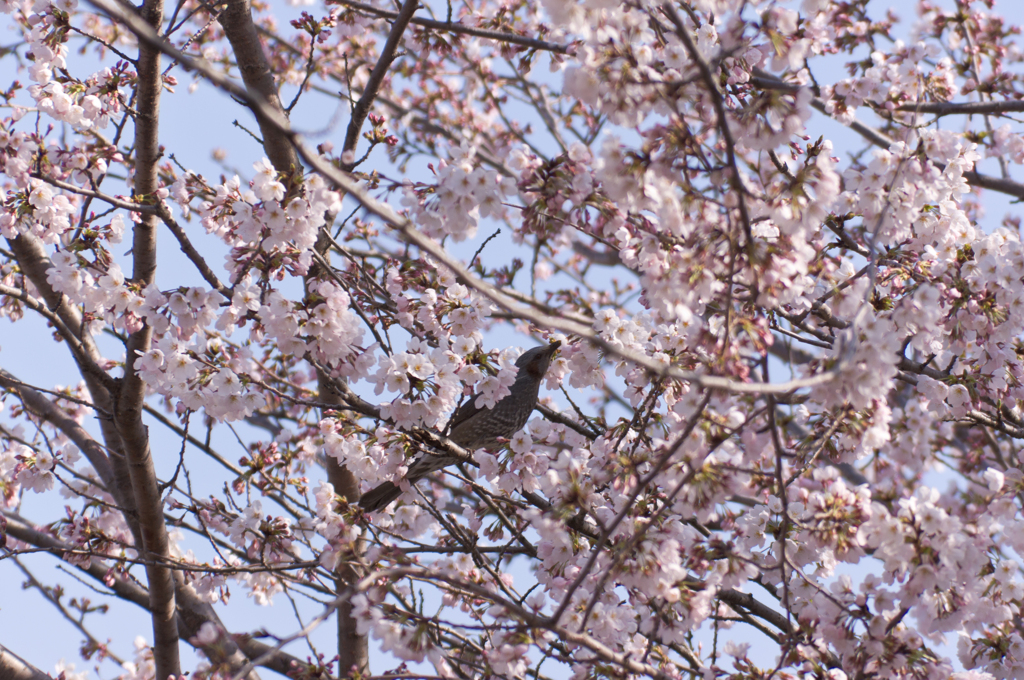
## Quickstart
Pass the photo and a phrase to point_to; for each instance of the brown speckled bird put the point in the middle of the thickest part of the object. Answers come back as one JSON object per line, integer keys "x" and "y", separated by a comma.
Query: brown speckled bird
{"x": 474, "y": 427}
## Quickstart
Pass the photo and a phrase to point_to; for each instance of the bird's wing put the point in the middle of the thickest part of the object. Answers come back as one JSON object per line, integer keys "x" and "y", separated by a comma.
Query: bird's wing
{"x": 464, "y": 413}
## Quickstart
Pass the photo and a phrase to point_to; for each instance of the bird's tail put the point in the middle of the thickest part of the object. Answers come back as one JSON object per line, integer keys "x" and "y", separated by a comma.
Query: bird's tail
{"x": 379, "y": 497}
{"x": 382, "y": 495}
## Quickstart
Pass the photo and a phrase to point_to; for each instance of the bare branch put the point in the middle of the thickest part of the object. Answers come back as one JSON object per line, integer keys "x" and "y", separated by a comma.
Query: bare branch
{"x": 13, "y": 667}
{"x": 132, "y": 392}
{"x": 191, "y": 253}
{"x": 257, "y": 75}
{"x": 387, "y": 55}
{"x": 500, "y": 36}
{"x": 964, "y": 108}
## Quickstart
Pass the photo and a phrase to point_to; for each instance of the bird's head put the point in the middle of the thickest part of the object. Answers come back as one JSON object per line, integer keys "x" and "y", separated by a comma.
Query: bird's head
{"x": 535, "y": 362}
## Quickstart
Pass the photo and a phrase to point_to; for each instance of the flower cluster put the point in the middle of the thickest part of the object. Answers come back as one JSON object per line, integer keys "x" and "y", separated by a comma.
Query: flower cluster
{"x": 464, "y": 194}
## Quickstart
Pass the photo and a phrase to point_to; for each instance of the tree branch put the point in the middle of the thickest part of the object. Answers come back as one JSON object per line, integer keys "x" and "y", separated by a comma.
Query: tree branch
{"x": 500, "y": 36}
{"x": 78, "y": 348}
{"x": 964, "y": 108}
{"x": 257, "y": 75}
{"x": 13, "y": 667}
{"x": 128, "y": 405}
{"x": 191, "y": 253}
{"x": 230, "y": 651}
{"x": 265, "y": 101}
{"x": 34, "y": 264}
{"x": 879, "y": 139}
{"x": 387, "y": 55}
{"x": 51, "y": 413}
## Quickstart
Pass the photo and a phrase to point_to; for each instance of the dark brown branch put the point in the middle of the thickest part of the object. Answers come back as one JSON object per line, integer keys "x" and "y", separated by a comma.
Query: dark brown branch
{"x": 165, "y": 216}
{"x": 736, "y": 599}
{"x": 34, "y": 264}
{"x": 258, "y": 77}
{"x": 128, "y": 405}
{"x": 50, "y": 596}
{"x": 982, "y": 418}
{"x": 265, "y": 102}
{"x": 387, "y": 55}
{"x": 191, "y": 253}
{"x": 500, "y": 36}
{"x": 1003, "y": 186}
{"x": 964, "y": 108}
{"x": 89, "y": 193}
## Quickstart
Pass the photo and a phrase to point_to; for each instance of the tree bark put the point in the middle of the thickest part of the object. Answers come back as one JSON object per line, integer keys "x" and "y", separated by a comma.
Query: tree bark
{"x": 353, "y": 650}
{"x": 128, "y": 407}
{"x": 13, "y": 667}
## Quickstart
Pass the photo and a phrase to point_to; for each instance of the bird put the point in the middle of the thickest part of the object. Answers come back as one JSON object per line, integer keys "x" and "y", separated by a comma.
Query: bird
{"x": 476, "y": 427}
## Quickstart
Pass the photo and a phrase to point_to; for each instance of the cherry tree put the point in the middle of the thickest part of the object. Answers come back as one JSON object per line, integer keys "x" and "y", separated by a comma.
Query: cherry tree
{"x": 780, "y": 437}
